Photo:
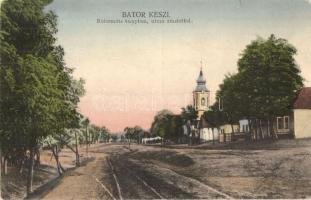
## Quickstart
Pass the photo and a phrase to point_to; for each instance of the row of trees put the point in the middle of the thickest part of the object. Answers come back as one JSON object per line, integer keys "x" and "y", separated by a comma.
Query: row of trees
{"x": 134, "y": 134}
{"x": 172, "y": 127}
{"x": 38, "y": 93}
{"x": 73, "y": 138}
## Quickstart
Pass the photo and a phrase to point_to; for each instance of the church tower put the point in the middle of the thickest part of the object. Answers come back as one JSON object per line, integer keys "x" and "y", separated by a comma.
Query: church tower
{"x": 201, "y": 96}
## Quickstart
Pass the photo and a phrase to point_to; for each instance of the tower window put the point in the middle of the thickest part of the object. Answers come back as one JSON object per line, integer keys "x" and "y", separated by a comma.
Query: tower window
{"x": 202, "y": 102}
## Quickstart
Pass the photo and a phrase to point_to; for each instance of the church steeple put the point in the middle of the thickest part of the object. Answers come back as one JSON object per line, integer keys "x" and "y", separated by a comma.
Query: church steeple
{"x": 201, "y": 95}
{"x": 201, "y": 83}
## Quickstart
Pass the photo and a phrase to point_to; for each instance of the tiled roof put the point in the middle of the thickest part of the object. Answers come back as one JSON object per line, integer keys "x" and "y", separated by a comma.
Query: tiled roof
{"x": 303, "y": 99}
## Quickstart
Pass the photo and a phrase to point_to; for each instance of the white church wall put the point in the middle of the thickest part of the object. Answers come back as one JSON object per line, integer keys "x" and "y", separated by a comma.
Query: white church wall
{"x": 206, "y": 134}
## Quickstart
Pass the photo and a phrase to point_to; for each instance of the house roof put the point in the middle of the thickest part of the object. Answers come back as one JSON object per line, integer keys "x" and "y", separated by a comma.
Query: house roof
{"x": 303, "y": 99}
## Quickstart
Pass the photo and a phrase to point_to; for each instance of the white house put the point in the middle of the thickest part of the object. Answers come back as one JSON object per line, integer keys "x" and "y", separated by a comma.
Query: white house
{"x": 226, "y": 132}
{"x": 209, "y": 134}
{"x": 302, "y": 113}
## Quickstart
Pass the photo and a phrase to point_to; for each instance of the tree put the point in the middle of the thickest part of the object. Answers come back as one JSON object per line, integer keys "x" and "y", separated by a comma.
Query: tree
{"x": 189, "y": 113}
{"x": 129, "y": 134}
{"x": 160, "y": 123}
{"x": 189, "y": 116}
{"x": 167, "y": 125}
{"x": 35, "y": 84}
{"x": 266, "y": 83}
{"x": 85, "y": 124}
{"x": 271, "y": 75}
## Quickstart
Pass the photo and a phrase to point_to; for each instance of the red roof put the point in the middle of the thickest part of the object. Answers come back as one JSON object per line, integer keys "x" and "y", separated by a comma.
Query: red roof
{"x": 303, "y": 99}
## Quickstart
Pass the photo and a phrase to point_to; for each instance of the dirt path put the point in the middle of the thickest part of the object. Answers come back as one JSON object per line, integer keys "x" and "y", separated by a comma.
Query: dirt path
{"x": 82, "y": 183}
{"x": 143, "y": 172}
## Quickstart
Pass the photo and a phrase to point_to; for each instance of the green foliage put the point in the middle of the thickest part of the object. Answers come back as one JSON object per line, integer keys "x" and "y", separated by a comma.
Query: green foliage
{"x": 214, "y": 117}
{"x": 270, "y": 75}
{"x": 39, "y": 96}
{"x": 266, "y": 83}
{"x": 189, "y": 113}
{"x": 134, "y": 133}
{"x": 167, "y": 125}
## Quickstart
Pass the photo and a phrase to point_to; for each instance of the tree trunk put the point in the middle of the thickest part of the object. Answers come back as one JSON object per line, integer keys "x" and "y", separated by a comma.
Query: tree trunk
{"x": 77, "y": 153}
{"x": 232, "y": 132}
{"x": 4, "y": 166}
{"x": 225, "y": 138}
{"x": 256, "y": 130}
{"x": 87, "y": 142}
{"x": 30, "y": 171}
{"x": 250, "y": 130}
{"x": 273, "y": 131}
{"x": 21, "y": 169}
{"x": 199, "y": 135}
{"x": 261, "y": 130}
{"x": 268, "y": 128}
{"x": 0, "y": 172}
{"x": 37, "y": 153}
{"x": 213, "y": 136}
{"x": 191, "y": 133}
{"x": 58, "y": 165}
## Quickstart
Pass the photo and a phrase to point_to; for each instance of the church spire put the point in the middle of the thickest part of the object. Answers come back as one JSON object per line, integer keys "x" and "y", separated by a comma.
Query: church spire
{"x": 201, "y": 73}
{"x": 201, "y": 82}
{"x": 201, "y": 64}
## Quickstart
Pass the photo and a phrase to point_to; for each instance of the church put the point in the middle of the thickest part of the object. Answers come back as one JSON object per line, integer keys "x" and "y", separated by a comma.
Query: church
{"x": 201, "y": 103}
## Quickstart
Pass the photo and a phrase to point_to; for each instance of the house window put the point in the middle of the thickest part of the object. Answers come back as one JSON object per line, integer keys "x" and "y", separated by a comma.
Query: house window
{"x": 282, "y": 123}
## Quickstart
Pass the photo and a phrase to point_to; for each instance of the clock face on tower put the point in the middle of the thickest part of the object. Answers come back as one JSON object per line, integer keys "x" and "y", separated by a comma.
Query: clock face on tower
{"x": 203, "y": 102}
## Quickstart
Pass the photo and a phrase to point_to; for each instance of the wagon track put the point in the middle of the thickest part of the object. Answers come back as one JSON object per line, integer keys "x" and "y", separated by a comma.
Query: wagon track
{"x": 156, "y": 184}
{"x": 131, "y": 172}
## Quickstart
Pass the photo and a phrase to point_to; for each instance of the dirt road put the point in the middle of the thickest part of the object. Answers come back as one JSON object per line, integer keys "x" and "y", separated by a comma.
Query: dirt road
{"x": 146, "y": 172}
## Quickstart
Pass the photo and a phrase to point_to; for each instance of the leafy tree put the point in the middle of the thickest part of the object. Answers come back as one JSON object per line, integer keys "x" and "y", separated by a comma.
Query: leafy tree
{"x": 266, "y": 83}
{"x": 160, "y": 122}
{"x": 271, "y": 75}
{"x": 167, "y": 125}
{"x": 38, "y": 98}
{"x": 189, "y": 113}
{"x": 189, "y": 116}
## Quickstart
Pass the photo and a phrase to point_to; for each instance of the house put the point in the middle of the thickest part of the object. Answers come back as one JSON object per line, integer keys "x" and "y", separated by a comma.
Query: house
{"x": 302, "y": 113}
{"x": 226, "y": 132}
{"x": 207, "y": 133}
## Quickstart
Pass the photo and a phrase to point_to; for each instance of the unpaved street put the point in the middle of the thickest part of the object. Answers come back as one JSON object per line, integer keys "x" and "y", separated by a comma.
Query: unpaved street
{"x": 148, "y": 172}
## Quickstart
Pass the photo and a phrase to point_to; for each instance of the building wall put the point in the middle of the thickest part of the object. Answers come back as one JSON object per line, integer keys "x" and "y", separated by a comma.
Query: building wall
{"x": 302, "y": 123}
{"x": 226, "y": 128}
{"x": 197, "y": 101}
{"x": 206, "y": 134}
{"x": 244, "y": 126}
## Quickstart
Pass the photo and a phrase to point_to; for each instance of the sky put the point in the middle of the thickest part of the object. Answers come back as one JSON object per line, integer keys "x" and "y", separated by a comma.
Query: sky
{"x": 133, "y": 71}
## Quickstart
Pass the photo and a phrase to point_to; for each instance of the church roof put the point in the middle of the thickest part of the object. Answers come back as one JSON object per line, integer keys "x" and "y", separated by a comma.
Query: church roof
{"x": 201, "y": 83}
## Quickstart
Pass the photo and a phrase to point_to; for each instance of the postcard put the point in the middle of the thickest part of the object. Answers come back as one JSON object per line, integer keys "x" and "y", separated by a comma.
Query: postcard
{"x": 166, "y": 99}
